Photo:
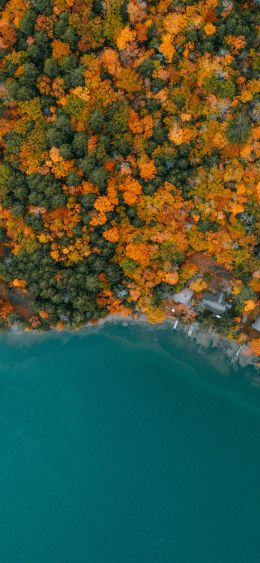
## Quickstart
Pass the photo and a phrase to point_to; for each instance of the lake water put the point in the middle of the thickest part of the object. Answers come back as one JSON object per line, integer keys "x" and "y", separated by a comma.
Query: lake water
{"x": 122, "y": 445}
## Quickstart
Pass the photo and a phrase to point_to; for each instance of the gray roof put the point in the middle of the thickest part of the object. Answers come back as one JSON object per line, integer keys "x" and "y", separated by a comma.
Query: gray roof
{"x": 256, "y": 324}
{"x": 215, "y": 303}
{"x": 183, "y": 296}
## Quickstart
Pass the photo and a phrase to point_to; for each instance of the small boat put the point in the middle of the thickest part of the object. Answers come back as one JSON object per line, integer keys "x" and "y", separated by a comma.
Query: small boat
{"x": 175, "y": 325}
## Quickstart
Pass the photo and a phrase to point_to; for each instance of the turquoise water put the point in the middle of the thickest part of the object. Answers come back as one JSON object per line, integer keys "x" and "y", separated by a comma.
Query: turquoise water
{"x": 122, "y": 446}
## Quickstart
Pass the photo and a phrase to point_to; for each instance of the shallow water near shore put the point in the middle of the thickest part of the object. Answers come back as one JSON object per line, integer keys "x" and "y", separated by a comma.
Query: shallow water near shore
{"x": 123, "y": 444}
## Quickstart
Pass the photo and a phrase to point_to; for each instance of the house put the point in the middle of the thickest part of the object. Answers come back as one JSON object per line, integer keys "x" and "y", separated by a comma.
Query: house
{"x": 215, "y": 303}
{"x": 183, "y": 296}
{"x": 256, "y": 324}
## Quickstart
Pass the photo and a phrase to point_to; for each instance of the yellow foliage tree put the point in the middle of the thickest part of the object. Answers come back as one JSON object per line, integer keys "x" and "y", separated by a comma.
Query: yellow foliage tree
{"x": 198, "y": 285}
{"x": 125, "y": 36}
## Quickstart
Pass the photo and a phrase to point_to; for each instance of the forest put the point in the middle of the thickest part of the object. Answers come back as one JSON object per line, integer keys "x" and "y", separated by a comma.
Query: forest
{"x": 128, "y": 145}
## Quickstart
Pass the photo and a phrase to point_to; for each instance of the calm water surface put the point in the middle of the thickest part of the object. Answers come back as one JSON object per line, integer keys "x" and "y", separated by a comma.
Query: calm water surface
{"x": 122, "y": 446}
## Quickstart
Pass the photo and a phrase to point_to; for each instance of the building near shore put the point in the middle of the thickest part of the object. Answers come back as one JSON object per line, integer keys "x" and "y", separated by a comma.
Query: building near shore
{"x": 216, "y": 303}
{"x": 256, "y": 324}
{"x": 183, "y": 296}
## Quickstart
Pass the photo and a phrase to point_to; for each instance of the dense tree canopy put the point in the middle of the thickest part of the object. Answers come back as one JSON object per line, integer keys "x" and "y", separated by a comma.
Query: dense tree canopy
{"x": 128, "y": 143}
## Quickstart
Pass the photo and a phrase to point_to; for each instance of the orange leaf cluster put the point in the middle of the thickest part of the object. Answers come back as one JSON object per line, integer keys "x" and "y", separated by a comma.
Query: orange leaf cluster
{"x": 147, "y": 168}
{"x": 112, "y": 234}
{"x": 60, "y": 49}
{"x": 139, "y": 252}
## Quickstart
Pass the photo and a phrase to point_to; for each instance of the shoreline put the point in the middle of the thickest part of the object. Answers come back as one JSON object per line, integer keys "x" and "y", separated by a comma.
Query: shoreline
{"x": 205, "y": 340}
